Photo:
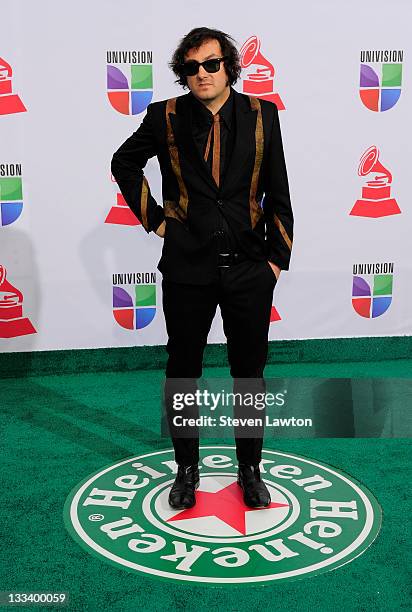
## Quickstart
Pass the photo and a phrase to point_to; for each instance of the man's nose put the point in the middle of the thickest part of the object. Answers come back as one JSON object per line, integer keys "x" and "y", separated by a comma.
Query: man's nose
{"x": 202, "y": 73}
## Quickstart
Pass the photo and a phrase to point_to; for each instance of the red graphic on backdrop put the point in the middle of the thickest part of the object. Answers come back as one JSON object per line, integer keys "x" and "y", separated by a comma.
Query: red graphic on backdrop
{"x": 120, "y": 213}
{"x": 274, "y": 315}
{"x": 227, "y": 505}
{"x": 376, "y": 200}
{"x": 9, "y": 103}
{"x": 259, "y": 80}
{"x": 12, "y": 322}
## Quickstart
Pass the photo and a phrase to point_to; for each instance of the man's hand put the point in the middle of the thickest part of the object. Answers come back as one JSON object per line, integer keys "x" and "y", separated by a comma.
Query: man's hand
{"x": 275, "y": 268}
{"x": 161, "y": 229}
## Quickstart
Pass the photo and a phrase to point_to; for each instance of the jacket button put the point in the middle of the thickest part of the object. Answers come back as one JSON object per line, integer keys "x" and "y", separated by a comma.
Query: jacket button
{"x": 220, "y": 202}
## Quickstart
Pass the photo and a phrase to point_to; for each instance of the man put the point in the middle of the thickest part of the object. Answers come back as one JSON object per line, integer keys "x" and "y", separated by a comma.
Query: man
{"x": 225, "y": 244}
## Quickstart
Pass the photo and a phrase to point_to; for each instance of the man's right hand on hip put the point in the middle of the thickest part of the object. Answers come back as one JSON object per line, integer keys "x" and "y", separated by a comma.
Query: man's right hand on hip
{"x": 161, "y": 229}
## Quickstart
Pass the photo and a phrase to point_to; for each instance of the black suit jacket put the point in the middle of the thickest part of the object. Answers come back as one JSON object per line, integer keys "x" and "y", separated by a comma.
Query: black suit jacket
{"x": 253, "y": 197}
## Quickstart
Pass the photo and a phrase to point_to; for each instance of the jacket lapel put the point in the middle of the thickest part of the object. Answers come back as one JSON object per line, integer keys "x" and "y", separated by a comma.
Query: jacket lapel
{"x": 182, "y": 129}
{"x": 244, "y": 146}
{"x": 243, "y": 153}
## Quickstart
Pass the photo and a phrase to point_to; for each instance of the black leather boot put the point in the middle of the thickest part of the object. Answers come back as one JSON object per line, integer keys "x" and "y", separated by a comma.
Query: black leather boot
{"x": 182, "y": 493}
{"x": 255, "y": 492}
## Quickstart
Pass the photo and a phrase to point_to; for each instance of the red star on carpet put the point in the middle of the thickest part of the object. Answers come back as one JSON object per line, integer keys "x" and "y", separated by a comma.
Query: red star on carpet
{"x": 227, "y": 505}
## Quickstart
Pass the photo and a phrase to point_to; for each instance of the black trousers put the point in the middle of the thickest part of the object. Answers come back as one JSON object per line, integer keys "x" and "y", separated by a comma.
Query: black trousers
{"x": 244, "y": 292}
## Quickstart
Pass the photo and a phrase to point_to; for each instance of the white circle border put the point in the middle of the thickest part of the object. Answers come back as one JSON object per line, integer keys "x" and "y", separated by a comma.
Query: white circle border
{"x": 206, "y": 579}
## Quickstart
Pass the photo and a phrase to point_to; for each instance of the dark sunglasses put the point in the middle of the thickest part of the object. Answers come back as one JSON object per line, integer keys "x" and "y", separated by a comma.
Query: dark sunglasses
{"x": 191, "y": 67}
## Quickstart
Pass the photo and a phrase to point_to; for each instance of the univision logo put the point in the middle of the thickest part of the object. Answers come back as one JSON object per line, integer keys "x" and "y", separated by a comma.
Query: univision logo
{"x": 129, "y": 80}
{"x": 134, "y": 303}
{"x": 380, "y": 79}
{"x": 11, "y": 193}
{"x": 372, "y": 289}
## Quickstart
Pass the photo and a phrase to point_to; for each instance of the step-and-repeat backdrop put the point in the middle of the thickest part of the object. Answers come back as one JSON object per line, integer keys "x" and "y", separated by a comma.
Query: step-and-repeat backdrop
{"x": 76, "y": 267}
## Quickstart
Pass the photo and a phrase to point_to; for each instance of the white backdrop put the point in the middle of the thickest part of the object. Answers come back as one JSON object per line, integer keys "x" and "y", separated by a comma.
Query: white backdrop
{"x": 61, "y": 255}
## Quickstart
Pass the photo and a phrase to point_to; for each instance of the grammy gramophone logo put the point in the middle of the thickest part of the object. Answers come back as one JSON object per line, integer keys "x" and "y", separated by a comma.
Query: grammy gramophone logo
{"x": 376, "y": 200}
{"x": 9, "y": 103}
{"x": 274, "y": 315}
{"x": 120, "y": 213}
{"x": 12, "y": 322}
{"x": 259, "y": 80}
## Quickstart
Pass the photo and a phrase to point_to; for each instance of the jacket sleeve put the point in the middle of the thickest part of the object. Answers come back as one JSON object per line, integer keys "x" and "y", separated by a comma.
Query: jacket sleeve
{"x": 127, "y": 168}
{"x": 276, "y": 204}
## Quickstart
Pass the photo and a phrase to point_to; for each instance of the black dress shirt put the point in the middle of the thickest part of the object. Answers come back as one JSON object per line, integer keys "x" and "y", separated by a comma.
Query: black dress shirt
{"x": 202, "y": 122}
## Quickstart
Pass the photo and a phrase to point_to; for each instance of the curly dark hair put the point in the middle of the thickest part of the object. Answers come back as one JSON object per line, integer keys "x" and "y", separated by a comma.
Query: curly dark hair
{"x": 194, "y": 39}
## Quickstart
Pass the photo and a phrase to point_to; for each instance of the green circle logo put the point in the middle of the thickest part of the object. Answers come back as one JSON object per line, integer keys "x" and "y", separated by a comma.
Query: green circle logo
{"x": 319, "y": 519}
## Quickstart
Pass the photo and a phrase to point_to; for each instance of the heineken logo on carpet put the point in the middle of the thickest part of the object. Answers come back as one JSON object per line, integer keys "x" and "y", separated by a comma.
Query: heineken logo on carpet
{"x": 319, "y": 519}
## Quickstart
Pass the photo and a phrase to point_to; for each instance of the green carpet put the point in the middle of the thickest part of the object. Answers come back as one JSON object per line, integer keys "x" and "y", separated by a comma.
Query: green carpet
{"x": 331, "y": 350}
{"x": 58, "y": 429}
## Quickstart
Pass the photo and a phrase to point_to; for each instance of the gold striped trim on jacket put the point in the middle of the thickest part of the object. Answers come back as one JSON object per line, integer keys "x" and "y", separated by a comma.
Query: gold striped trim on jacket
{"x": 172, "y": 209}
{"x": 143, "y": 202}
{"x": 174, "y": 157}
{"x": 255, "y": 208}
{"x": 282, "y": 230}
